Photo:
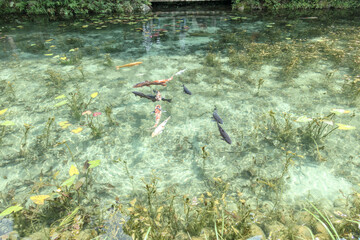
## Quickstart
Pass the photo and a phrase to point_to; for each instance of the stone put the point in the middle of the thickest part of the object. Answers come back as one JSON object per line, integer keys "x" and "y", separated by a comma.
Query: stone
{"x": 257, "y": 231}
{"x": 275, "y": 229}
{"x": 303, "y": 232}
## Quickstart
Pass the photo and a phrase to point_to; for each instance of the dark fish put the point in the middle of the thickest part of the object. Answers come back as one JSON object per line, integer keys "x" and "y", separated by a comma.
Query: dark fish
{"x": 225, "y": 136}
{"x": 187, "y": 91}
{"x": 150, "y": 97}
{"x": 217, "y": 117}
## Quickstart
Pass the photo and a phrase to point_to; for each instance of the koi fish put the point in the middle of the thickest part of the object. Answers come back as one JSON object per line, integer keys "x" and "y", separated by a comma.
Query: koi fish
{"x": 225, "y": 136}
{"x": 156, "y": 82}
{"x": 217, "y": 117}
{"x": 157, "y": 115}
{"x": 180, "y": 72}
{"x": 158, "y": 96}
{"x": 128, "y": 65}
{"x": 160, "y": 128}
{"x": 150, "y": 97}
{"x": 187, "y": 91}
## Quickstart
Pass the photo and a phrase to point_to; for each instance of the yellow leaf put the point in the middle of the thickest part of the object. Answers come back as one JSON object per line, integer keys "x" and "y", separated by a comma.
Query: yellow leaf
{"x": 48, "y": 54}
{"x": 85, "y": 26}
{"x": 49, "y": 40}
{"x": 339, "y": 111}
{"x": 94, "y": 95}
{"x": 345, "y": 127}
{"x": 60, "y": 97}
{"x": 52, "y": 46}
{"x": 132, "y": 202}
{"x": 39, "y": 199}
{"x": 73, "y": 170}
{"x": 77, "y": 130}
{"x": 63, "y": 123}
{"x": 3, "y": 111}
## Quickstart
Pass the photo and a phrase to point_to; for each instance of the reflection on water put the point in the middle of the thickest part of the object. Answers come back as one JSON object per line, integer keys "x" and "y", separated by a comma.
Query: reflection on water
{"x": 282, "y": 84}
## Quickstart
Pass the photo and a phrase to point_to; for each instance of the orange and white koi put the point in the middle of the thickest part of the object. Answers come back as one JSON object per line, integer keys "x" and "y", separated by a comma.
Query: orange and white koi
{"x": 128, "y": 65}
{"x": 157, "y": 115}
{"x": 158, "y": 96}
{"x": 156, "y": 82}
{"x": 160, "y": 128}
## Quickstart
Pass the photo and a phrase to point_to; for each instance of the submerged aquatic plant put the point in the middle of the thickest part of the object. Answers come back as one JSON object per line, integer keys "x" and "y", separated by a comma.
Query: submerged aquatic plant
{"x": 318, "y": 129}
{"x": 23, "y": 141}
{"x": 56, "y": 78}
{"x": 44, "y": 138}
{"x": 96, "y": 128}
{"x": 76, "y": 103}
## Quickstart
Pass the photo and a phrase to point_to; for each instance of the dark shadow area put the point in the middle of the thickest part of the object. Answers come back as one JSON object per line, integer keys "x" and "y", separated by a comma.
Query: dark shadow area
{"x": 192, "y": 6}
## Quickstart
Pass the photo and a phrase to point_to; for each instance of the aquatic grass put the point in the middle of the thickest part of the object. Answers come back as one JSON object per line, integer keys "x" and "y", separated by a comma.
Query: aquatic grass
{"x": 76, "y": 102}
{"x": 325, "y": 221}
{"x": 23, "y": 141}
{"x": 96, "y": 128}
{"x": 318, "y": 129}
{"x": 55, "y": 78}
{"x": 44, "y": 139}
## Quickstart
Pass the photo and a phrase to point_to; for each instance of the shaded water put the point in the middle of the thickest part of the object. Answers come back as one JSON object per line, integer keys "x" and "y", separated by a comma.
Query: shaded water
{"x": 261, "y": 72}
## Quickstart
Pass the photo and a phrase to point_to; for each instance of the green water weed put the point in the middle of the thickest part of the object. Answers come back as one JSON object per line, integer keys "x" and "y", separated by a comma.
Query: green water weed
{"x": 211, "y": 60}
{"x": 317, "y": 129}
{"x": 55, "y": 78}
{"x": 23, "y": 141}
{"x": 76, "y": 102}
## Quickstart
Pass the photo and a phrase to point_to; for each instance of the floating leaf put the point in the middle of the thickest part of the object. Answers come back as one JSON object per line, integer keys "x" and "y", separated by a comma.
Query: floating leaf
{"x": 49, "y": 40}
{"x": 68, "y": 182}
{"x": 48, "y": 54}
{"x": 59, "y": 104}
{"x": 39, "y": 199}
{"x": 94, "y": 95}
{"x": 339, "y": 111}
{"x": 64, "y": 124}
{"x": 60, "y": 97}
{"x": 73, "y": 170}
{"x": 94, "y": 163}
{"x": 9, "y": 210}
{"x": 7, "y": 123}
{"x": 303, "y": 119}
{"x": 77, "y": 130}
{"x": 3, "y": 111}
{"x": 345, "y": 127}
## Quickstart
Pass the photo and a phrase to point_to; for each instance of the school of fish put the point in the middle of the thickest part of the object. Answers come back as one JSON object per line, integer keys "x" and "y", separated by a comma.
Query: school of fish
{"x": 158, "y": 97}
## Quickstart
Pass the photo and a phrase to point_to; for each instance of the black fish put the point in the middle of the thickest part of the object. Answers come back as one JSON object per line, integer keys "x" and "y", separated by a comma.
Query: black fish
{"x": 187, "y": 91}
{"x": 150, "y": 97}
{"x": 217, "y": 117}
{"x": 225, "y": 136}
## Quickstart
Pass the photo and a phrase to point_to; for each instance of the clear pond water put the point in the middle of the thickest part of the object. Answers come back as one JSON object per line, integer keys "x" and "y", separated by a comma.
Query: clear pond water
{"x": 279, "y": 82}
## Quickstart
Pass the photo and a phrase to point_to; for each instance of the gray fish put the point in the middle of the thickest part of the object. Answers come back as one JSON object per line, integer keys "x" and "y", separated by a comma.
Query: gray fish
{"x": 187, "y": 91}
{"x": 217, "y": 117}
{"x": 225, "y": 136}
{"x": 150, "y": 97}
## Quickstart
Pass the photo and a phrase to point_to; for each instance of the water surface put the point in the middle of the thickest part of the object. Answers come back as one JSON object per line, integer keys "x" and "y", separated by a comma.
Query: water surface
{"x": 251, "y": 67}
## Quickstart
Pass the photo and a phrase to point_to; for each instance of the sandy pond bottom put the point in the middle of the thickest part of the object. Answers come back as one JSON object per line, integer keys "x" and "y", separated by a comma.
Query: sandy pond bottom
{"x": 253, "y": 159}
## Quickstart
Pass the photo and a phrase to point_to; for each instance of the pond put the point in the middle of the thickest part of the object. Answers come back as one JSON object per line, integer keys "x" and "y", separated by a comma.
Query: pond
{"x": 286, "y": 86}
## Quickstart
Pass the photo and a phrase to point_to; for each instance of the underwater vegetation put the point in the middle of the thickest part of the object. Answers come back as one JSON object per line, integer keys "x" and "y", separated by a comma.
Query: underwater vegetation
{"x": 199, "y": 187}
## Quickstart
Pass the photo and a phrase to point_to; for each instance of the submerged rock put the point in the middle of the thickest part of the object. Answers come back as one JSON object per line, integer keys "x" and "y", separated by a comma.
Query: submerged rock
{"x": 256, "y": 231}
